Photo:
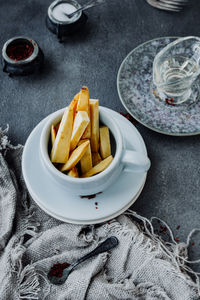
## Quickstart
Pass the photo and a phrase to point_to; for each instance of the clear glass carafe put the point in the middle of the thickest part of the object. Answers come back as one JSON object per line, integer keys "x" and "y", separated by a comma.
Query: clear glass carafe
{"x": 175, "y": 69}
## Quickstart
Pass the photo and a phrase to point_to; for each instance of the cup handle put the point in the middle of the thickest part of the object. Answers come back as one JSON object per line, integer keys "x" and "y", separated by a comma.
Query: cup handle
{"x": 135, "y": 161}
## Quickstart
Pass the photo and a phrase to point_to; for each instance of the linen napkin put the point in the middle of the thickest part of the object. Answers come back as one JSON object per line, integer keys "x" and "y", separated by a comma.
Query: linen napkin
{"x": 141, "y": 267}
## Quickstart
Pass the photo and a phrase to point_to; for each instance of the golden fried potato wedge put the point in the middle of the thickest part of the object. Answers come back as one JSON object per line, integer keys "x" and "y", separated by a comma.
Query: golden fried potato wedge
{"x": 96, "y": 158}
{"x": 84, "y": 105}
{"x": 75, "y": 156}
{"x": 86, "y": 160}
{"x": 73, "y": 104}
{"x": 105, "y": 148}
{"x": 73, "y": 172}
{"x": 80, "y": 123}
{"x": 83, "y": 102}
{"x": 94, "y": 119}
{"x": 53, "y": 134}
{"x": 87, "y": 133}
{"x": 99, "y": 168}
{"x": 61, "y": 146}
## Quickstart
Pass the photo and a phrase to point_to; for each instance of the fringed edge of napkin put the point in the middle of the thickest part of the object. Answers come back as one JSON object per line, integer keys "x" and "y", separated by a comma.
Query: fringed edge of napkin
{"x": 177, "y": 253}
{"x": 27, "y": 277}
{"x": 5, "y": 143}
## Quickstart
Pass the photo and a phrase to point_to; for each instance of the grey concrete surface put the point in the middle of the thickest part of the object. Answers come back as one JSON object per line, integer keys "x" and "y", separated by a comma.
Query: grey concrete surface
{"x": 92, "y": 57}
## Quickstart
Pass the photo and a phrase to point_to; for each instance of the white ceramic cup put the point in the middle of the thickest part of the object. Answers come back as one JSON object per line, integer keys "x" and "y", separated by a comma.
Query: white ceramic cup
{"x": 123, "y": 158}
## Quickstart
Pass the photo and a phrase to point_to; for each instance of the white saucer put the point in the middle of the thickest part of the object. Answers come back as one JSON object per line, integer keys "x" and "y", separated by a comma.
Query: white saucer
{"x": 71, "y": 208}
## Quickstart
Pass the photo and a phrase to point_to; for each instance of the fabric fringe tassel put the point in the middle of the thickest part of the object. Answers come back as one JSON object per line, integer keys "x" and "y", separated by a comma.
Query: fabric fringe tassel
{"x": 28, "y": 284}
{"x": 28, "y": 278}
{"x": 4, "y": 141}
{"x": 176, "y": 252}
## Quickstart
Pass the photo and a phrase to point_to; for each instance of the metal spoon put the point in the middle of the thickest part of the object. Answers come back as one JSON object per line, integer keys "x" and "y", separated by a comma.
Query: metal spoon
{"x": 89, "y": 4}
{"x": 108, "y": 244}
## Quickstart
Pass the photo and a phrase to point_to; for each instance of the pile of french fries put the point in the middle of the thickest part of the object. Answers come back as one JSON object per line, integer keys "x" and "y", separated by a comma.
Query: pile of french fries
{"x": 80, "y": 147}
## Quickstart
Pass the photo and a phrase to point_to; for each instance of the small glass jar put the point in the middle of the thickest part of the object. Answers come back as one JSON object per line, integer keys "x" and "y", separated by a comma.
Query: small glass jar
{"x": 175, "y": 70}
{"x": 21, "y": 56}
{"x": 58, "y": 22}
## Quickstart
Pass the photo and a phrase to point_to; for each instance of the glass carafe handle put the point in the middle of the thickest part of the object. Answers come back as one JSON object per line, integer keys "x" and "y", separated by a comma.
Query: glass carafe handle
{"x": 195, "y": 57}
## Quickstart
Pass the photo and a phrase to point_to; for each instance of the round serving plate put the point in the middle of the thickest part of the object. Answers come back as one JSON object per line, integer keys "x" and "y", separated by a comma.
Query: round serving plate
{"x": 62, "y": 204}
{"x": 138, "y": 94}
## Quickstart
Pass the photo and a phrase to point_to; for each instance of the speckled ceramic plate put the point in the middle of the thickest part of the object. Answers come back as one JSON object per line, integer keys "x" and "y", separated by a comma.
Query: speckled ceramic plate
{"x": 135, "y": 88}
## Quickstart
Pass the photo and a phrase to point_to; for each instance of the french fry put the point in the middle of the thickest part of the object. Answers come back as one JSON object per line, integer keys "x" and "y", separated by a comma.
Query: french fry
{"x": 73, "y": 104}
{"x": 80, "y": 123}
{"x": 83, "y": 102}
{"x": 53, "y": 134}
{"x": 87, "y": 133}
{"x": 73, "y": 172}
{"x": 96, "y": 158}
{"x": 83, "y": 105}
{"x": 105, "y": 148}
{"x": 94, "y": 119}
{"x": 75, "y": 156}
{"x": 61, "y": 146}
{"x": 86, "y": 160}
{"x": 99, "y": 168}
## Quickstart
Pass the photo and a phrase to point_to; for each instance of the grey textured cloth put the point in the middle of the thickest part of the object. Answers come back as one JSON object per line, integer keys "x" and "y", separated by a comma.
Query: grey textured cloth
{"x": 140, "y": 267}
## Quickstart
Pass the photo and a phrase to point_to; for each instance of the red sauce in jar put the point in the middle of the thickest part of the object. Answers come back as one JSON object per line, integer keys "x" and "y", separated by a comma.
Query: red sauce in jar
{"x": 19, "y": 50}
